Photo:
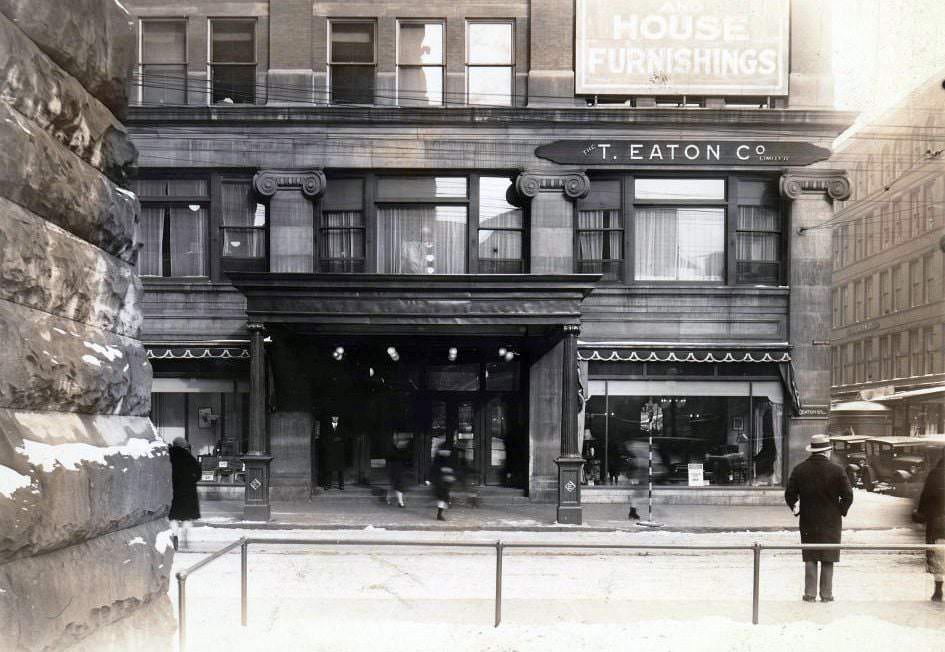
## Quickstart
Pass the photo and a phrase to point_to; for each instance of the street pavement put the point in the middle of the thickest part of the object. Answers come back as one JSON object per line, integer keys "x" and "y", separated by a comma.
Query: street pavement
{"x": 870, "y": 511}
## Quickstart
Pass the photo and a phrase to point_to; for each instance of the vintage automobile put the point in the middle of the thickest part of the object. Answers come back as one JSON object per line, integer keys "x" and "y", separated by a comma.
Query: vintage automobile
{"x": 849, "y": 451}
{"x": 899, "y": 464}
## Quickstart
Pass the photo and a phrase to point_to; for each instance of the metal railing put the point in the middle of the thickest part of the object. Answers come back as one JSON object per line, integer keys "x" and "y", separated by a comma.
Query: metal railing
{"x": 499, "y": 547}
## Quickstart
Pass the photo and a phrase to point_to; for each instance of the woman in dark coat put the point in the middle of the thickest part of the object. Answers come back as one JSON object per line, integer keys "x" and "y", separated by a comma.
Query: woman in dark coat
{"x": 443, "y": 475}
{"x": 931, "y": 511}
{"x": 185, "y": 473}
{"x": 397, "y": 461}
{"x": 825, "y": 497}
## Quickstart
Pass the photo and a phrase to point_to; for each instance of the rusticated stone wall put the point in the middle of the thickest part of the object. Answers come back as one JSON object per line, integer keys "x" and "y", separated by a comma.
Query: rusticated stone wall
{"x": 84, "y": 479}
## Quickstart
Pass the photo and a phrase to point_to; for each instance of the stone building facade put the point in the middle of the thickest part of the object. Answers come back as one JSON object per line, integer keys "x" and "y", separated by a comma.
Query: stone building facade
{"x": 888, "y": 303}
{"x": 430, "y": 227}
{"x": 84, "y": 479}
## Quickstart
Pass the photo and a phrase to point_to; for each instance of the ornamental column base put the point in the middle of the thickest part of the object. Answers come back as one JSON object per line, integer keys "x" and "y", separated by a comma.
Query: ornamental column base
{"x": 256, "y": 492}
{"x": 570, "y": 511}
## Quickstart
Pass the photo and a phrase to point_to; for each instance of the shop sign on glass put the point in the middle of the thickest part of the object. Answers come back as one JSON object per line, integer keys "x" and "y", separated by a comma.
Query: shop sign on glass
{"x": 696, "y": 475}
{"x": 682, "y": 47}
{"x": 682, "y": 152}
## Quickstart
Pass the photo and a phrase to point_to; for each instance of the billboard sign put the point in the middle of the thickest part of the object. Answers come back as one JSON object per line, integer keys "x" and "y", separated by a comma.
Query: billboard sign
{"x": 682, "y": 47}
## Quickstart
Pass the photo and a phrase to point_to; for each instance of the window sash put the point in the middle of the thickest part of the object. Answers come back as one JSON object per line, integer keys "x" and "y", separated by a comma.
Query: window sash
{"x": 670, "y": 243}
{"x": 215, "y": 25}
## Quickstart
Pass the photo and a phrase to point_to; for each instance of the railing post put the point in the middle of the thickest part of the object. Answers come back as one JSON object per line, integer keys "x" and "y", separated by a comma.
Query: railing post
{"x": 181, "y": 612}
{"x": 498, "y": 582}
{"x": 756, "y": 585}
{"x": 244, "y": 602}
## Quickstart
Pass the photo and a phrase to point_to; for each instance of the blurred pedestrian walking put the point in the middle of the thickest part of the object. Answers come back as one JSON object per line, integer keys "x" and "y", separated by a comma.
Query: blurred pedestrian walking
{"x": 825, "y": 497}
{"x": 185, "y": 473}
{"x": 443, "y": 475}
{"x": 397, "y": 461}
{"x": 931, "y": 511}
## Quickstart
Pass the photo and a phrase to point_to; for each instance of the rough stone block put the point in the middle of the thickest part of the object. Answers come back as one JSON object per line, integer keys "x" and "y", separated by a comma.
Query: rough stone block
{"x": 52, "y": 601}
{"x": 36, "y": 87}
{"x": 50, "y": 363}
{"x": 39, "y": 174}
{"x": 92, "y": 40}
{"x": 49, "y": 269}
{"x": 66, "y": 477}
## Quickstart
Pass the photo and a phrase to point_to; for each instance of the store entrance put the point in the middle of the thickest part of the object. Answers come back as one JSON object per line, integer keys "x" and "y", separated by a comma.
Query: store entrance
{"x": 399, "y": 404}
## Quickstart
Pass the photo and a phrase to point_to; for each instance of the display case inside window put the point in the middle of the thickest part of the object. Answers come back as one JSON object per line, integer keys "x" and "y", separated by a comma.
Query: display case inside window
{"x": 729, "y": 432}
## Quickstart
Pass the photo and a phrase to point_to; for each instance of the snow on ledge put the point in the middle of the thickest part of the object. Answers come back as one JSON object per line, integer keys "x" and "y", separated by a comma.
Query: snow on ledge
{"x": 11, "y": 481}
{"x": 162, "y": 541}
{"x": 70, "y": 456}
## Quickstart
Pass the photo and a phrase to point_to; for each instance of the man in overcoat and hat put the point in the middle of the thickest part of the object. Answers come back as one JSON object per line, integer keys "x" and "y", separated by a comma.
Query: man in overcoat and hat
{"x": 825, "y": 497}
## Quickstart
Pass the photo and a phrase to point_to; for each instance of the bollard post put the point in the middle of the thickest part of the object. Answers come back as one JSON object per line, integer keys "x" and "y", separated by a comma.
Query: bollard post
{"x": 181, "y": 613}
{"x": 498, "y": 582}
{"x": 756, "y": 584}
{"x": 244, "y": 602}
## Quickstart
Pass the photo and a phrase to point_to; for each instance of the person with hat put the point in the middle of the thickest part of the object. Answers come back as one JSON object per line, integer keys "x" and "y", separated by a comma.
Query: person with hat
{"x": 825, "y": 497}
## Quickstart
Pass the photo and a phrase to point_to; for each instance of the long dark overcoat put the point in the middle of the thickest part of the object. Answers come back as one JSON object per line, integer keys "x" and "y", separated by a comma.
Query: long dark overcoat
{"x": 185, "y": 473}
{"x": 826, "y": 496}
{"x": 931, "y": 506}
{"x": 334, "y": 447}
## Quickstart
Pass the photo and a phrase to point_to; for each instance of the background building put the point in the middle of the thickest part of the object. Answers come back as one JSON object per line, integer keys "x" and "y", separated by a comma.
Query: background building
{"x": 455, "y": 228}
{"x": 888, "y": 291}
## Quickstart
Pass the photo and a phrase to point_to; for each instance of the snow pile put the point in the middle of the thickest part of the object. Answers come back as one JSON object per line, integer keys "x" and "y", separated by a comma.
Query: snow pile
{"x": 70, "y": 456}
{"x": 162, "y": 541}
{"x": 10, "y": 481}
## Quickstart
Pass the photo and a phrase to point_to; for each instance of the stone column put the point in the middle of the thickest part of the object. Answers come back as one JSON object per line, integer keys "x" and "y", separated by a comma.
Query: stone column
{"x": 811, "y": 193}
{"x": 257, "y": 458}
{"x": 570, "y": 461}
{"x": 551, "y": 231}
{"x": 284, "y": 190}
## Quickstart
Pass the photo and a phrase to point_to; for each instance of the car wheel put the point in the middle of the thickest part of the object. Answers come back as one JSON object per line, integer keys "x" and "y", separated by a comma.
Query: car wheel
{"x": 868, "y": 479}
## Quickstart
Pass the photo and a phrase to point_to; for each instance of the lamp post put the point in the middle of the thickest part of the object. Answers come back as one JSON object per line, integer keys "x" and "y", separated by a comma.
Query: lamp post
{"x": 570, "y": 462}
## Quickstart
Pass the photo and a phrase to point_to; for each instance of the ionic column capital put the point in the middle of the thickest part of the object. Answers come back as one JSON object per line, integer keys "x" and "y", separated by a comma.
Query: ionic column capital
{"x": 834, "y": 183}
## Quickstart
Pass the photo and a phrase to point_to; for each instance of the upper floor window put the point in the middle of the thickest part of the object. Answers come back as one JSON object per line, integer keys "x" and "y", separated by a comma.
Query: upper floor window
{"x": 501, "y": 229}
{"x": 600, "y": 231}
{"x": 352, "y": 58}
{"x": 243, "y": 221}
{"x": 758, "y": 234}
{"x": 341, "y": 230}
{"x": 162, "y": 62}
{"x": 233, "y": 60}
{"x": 679, "y": 234}
{"x": 420, "y": 63}
{"x": 490, "y": 52}
{"x": 173, "y": 226}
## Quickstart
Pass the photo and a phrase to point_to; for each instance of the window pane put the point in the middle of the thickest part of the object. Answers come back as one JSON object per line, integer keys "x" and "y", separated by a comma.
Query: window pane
{"x": 186, "y": 187}
{"x": 343, "y": 194}
{"x": 501, "y": 246}
{"x": 490, "y": 43}
{"x": 236, "y": 83}
{"x": 163, "y": 41}
{"x": 494, "y": 211}
{"x": 342, "y": 241}
{"x": 489, "y": 86}
{"x": 421, "y": 187}
{"x": 188, "y": 241}
{"x": 420, "y": 44}
{"x": 680, "y": 244}
{"x": 163, "y": 84}
{"x": 233, "y": 41}
{"x": 455, "y": 377}
{"x": 352, "y": 84}
{"x": 420, "y": 86}
{"x": 352, "y": 42}
{"x": 422, "y": 240}
{"x": 151, "y": 234}
{"x": 680, "y": 189}
{"x": 291, "y": 230}
{"x": 246, "y": 238}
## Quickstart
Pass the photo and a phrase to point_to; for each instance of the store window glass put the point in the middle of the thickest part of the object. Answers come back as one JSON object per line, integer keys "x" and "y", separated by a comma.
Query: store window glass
{"x": 420, "y": 64}
{"x": 162, "y": 63}
{"x": 352, "y": 62}
{"x": 173, "y": 227}
{"x": 703, "y": 433}
{"x": 489, "y": 63}
{"x": 233, "y": 61}
{"x": 501, "y": 229}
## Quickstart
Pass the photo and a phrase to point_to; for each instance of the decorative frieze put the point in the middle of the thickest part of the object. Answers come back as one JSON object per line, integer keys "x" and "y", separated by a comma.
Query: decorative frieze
{"x": 833, "y": 182}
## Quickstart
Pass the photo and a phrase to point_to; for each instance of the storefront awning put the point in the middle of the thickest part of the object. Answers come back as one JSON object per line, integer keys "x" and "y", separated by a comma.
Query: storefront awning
{"x": 191, "y": 352}
{"x": 925, "y": 392}
{"x": 682, "y": 352}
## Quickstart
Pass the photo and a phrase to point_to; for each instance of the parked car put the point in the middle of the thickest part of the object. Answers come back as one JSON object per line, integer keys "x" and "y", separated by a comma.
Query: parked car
{"x": 849, "y": 451}
{"x": 899, "y": 464}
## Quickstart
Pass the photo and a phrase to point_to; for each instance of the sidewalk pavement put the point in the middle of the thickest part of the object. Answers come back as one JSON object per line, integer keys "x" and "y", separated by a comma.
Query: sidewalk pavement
{"x": 869, "y": 512}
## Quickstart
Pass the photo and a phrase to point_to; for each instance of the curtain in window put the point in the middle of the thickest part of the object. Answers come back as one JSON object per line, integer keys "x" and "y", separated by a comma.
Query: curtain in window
{"x": 241, "y": 210}
{"x": 680, "y": 244}
{"x": 151, "y": 235}
{"x": 422, "y": 239}
{"x": 188, "y": 241}
{"x": 757, "y": 246}
{"x": 292, "y": 232}
{"x": 591, "y": 243}
{"x": 655, "y": 244}
{"x": 342, "y": 235}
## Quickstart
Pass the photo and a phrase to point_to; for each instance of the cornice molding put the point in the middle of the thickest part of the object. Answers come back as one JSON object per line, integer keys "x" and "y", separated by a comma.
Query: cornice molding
{"x": 310, "y": 182}
{"x": 835, "y": 183}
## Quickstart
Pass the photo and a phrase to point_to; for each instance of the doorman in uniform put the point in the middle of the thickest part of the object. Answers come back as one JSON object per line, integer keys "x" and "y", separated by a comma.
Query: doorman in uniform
{"x": 334, "y": 436}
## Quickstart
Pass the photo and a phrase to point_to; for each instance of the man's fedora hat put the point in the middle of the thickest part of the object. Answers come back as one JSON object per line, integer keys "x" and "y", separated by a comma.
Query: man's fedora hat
{"x": 819, "y": 444}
